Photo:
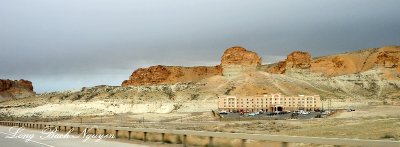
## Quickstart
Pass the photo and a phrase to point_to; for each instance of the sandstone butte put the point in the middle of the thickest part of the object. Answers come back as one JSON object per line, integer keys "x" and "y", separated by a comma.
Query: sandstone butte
{"x": 15, "y": 89}
{"x": 237, "y": 58}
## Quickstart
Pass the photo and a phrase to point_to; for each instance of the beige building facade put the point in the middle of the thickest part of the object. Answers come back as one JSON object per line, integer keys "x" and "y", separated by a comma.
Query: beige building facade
{"x": 269, "y": 103}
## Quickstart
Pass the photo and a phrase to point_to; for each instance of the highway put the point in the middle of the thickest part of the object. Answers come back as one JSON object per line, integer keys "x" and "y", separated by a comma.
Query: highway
{"x": 32, "y": 138}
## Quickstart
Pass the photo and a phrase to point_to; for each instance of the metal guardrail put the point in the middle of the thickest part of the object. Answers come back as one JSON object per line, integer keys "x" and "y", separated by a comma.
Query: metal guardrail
{"x": 284, "y": 139}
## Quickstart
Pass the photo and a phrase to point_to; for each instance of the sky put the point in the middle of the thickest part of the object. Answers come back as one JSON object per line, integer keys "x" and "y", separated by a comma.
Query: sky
{"x": 68, "y": 44}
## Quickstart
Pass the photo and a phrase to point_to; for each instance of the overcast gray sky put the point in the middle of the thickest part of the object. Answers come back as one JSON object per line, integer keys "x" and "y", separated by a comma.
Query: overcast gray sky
{"x": 69, "y": 44}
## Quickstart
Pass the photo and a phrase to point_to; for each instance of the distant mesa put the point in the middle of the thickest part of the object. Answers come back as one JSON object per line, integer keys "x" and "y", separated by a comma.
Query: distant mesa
{"x": 237, "y": 60}
{"x": 358, "y": 61}
{"x": 298, "y": 59}
{"x": 170, "y": 74}
{"x": 234, "y": 60}
{"x": 295, "y": 60}
{"x": 10, "y": 89}
{"x": 240, "y": 56}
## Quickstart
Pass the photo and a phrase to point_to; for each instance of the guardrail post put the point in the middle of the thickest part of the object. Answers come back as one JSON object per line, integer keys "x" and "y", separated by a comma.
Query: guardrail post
{"x": 116, "y": 134}
{"x": 59, "y": 128}
{"x": 129, "y": 135}
{"x": 144, "y": 136}
{"x": 210, "y": 141}
{"x": 184, "y": 140}
{"x": 163, "y": 138}
{"x": 79, "y": 130}
{"x": 284, "y": 144}
{"x": 105, "y": 131}
{"x": 95, "y": 131}
{"x": 65, "y": 128}
{"x": 243, "y": 143}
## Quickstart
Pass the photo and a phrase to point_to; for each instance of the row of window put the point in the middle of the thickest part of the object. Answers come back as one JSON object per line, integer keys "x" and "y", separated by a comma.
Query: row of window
{"x": 271, "y": 102}
{"x": 309, "y": 98}
{"x": 241, "y": 106}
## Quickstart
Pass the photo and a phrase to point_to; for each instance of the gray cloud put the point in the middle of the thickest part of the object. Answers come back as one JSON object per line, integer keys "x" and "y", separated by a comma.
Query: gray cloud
{"x": 73, "y": 43}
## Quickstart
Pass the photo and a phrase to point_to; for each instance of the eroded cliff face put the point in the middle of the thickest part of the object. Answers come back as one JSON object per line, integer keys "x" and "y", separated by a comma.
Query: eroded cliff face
{"x": 240, "y": 56}
{"x": 298, "y": 59}
{"x": 170, "y": 74}
{"x": 358, "y": 61}
{"x": 10, "y": 89}
{"x": 342, "y": 64}
{"x": 237, "y": 60}
{"x": 295, "y": 60}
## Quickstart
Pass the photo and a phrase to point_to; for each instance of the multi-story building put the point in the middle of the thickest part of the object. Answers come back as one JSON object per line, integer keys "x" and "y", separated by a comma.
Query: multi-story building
{"x": 269, "y": 103}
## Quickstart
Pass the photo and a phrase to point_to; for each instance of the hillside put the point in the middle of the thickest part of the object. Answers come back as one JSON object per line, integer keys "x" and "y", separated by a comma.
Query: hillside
{"x": 348, "y": 79}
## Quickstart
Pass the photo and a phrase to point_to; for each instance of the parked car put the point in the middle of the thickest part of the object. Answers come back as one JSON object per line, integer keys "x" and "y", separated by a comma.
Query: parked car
{"x": 251, "y": 114}
{"x": 223, "y": 112}
{"x": 326, "y": 112}
{"x": 351, "y": 109}
{"x": 304, "y": 112}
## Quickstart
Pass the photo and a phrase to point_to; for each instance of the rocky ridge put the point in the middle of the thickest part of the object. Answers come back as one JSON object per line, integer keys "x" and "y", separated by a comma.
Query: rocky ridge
{"x": 10, "y": 89}
{"x": 353, "y": 78}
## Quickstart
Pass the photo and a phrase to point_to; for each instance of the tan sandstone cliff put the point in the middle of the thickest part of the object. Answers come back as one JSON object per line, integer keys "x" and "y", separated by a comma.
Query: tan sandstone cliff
{"x": 10, "y": 89}
{"x": 341, "y": 64}
{"x": 234, "y": 60}
{"x": 170, "y": 74}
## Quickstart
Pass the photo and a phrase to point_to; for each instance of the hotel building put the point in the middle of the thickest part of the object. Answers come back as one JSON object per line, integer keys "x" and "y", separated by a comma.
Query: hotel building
{"x": 269, "y": 103}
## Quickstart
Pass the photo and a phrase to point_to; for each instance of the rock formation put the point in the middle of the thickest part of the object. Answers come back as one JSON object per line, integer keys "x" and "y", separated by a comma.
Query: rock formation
{"x": 357, "y": 61}
{"x": 386, "y": 59}
{"x": 279, "y": 68}
{"x": 15, "y": 89}
{"x": 295, "y": 60}
{"x": 240, "y": 56}
{"x": 298, "y": 59}
{"x": 237, "y": 60}
{"x": 170, "y": 74}
{"x": 234, "y": 61}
